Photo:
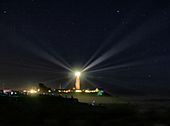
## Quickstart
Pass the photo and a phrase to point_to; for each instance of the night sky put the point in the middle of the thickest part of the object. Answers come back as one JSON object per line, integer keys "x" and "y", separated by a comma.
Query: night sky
{"x": 127, "y": 44}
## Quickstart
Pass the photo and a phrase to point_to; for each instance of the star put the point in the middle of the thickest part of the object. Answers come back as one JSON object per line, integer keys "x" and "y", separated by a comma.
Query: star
{"x": 117, "y": 11}
{"x": 4, "y": 11}
{"x": 149, "y": 75}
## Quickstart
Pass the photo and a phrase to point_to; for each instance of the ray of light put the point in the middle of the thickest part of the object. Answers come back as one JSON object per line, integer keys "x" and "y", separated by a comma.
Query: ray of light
{"x": 112, "y": 68}
{"x": 116, "y": 62}
{"x": 42, "y": 49}
{"x": 148, "y": 61}
{"x": 53, "y": 60}
{"x": 134, "y": 38}
{"x": 42, "y": 64}
{"x": 103, "y": 45}
{"x": 107, "y": 55}
{"x": 121, "y": 46}
{"x": 52, "y": 52}
{"x": 45, "y": 55}
{"x": 117, "y": 32}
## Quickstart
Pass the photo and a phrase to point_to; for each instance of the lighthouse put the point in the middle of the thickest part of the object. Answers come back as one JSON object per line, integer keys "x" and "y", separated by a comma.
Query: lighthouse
{"x": 77, "y": 83}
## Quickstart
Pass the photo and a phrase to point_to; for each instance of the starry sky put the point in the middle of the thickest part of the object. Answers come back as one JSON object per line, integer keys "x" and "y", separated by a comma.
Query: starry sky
{"x": 124, "y": 44}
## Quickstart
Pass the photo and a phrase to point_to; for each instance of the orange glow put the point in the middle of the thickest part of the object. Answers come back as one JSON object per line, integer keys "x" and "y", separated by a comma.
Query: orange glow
{"x": 77, "y": 84}
{"x": 32, "y": 91}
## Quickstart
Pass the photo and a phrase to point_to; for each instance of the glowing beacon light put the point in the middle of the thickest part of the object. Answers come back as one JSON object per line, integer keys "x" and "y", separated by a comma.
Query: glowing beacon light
{"x": 77, "y": 74}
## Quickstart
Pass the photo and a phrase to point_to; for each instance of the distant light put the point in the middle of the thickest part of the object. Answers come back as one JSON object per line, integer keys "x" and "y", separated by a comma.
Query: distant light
{"x": 97, "y": 90}
{"x": 32, "y": 91}
{"x": 77, "y": 74}
{"x": 24, "y": 90}
{"x": 67, "y": 91}
{"x": 93, "y": 102}
{"x": 118, "y": 11}
{"x": 49, "y": 91}
{"x": 6, "y": 91}
{"x": 4, "y": 11}
{"x": 78, "y": 90}
{"x": 92, "y": 91}
{"x": 100, "y": 93}
{"x": 38, "y": 90}
{"x": 87, "y": 91}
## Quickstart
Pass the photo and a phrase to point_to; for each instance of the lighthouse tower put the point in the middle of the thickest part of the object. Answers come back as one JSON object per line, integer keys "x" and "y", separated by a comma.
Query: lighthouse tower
{"x": 77, "y": 83}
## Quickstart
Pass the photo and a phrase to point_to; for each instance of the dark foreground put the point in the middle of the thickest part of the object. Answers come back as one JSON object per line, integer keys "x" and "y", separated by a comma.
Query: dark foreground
{"x": 51, "y": 110}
